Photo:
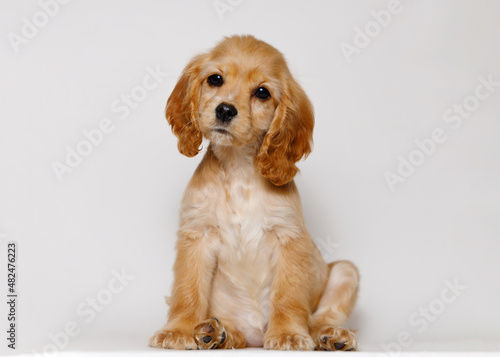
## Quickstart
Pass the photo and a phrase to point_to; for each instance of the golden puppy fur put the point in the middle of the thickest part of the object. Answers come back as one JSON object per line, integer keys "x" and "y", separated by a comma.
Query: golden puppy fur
{"x": 247, "y": 272}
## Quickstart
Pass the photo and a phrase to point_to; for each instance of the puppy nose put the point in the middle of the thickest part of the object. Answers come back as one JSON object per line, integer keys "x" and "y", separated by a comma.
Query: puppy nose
{"x": 225, "y": 112}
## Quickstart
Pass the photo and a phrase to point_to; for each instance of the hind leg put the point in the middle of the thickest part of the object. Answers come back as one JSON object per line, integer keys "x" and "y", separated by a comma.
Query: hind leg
{"x": 335, "y": 306}
{"x": 211, "y": 334}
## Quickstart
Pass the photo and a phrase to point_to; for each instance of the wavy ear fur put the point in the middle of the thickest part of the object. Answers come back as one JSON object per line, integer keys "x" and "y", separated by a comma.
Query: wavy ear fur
{"x": 182, "y": 108}
{"x": 289, "y": 137}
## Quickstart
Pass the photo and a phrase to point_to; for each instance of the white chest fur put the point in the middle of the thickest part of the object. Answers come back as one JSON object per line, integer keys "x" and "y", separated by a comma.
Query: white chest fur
{"x": 246, "y": 218}
{"x": 242, "y": 283}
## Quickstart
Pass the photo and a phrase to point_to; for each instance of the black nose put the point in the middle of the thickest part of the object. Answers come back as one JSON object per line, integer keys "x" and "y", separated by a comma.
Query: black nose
{"x": 225, "y": 112}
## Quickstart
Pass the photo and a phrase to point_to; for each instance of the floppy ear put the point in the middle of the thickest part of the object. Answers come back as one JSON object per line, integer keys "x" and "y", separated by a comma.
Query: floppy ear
{"x": 182, "y": 108}
{"x": 289, "y": 137}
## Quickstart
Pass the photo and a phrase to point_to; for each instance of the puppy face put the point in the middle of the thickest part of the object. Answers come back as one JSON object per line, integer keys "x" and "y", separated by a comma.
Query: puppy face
{"x": 239, "y": 94}
{"x": 242, "y": 92}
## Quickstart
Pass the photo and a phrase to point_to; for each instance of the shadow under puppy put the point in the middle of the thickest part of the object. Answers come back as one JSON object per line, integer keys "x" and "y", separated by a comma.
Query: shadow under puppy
{"x": 247, "y": 272}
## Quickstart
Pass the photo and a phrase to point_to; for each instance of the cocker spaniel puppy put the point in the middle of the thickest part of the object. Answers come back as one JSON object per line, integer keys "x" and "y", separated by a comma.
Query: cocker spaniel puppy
{"x": 247, "y": 272}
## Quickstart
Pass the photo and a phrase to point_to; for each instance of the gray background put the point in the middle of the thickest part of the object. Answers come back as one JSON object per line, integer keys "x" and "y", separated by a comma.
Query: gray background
{"x": 118, "y": 209}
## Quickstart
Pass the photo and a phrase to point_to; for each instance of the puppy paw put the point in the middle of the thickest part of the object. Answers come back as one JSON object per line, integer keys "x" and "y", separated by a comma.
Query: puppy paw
{"x": 289, "y": 342}
{"x": 173, "y": 339}
{"x": 336, "y": 339}
{"x": 210, "y": 334}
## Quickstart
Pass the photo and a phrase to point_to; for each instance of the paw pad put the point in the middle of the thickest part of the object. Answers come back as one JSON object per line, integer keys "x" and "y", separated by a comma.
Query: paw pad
{"x": 209, "y": 334}
{"x": 337, "y": 339}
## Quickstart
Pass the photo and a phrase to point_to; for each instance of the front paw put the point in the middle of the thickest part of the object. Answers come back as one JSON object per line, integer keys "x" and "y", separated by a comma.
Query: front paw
{"x": 289, "y": 341}
{"x": 173, "y": 339}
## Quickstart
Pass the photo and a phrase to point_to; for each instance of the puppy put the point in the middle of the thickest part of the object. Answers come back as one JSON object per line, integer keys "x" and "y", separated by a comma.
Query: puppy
{"x": 247, "y": 272}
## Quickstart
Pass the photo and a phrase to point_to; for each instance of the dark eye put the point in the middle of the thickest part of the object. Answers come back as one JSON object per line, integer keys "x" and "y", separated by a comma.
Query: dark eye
{"x": 262, "y": 93}
{"x": 215, "y": 80}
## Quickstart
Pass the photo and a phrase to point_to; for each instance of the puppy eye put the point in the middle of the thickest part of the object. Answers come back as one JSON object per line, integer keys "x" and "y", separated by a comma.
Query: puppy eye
{"x": 262, "y": 93}
{"x": 215, "y": 80}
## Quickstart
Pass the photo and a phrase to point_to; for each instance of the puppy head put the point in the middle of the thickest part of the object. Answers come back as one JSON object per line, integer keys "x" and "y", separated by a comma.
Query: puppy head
{"x": 240, "y": 93}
